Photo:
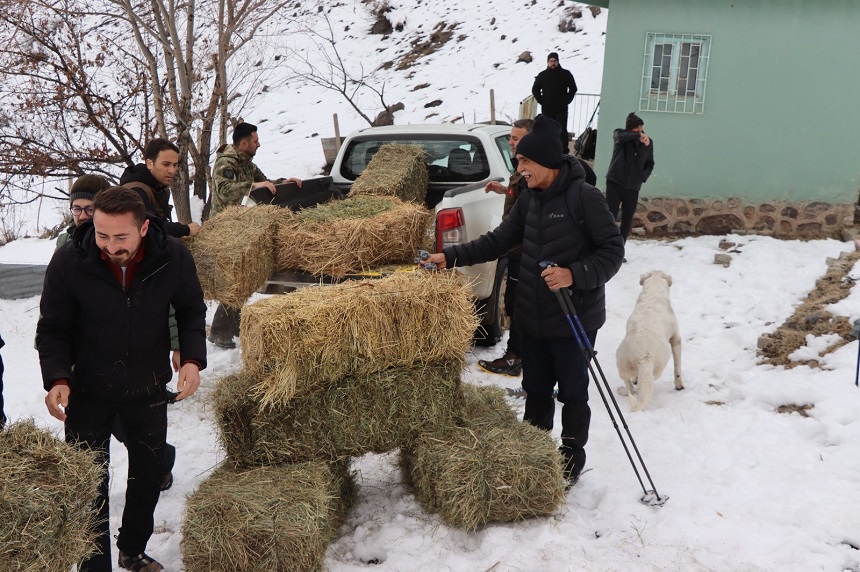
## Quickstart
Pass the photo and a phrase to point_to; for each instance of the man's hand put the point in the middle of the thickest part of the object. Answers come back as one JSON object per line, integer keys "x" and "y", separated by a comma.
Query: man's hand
{"x": 264, "y": 185}
{"x": 557, "y": 277}
{"x": 176, "y": 360}
{"x": 295, "y": 180}
{"x": 57, "y": 400}
{"x": 189, "y": 381}
{"x": 193, "y": 229}
{"x": 438, "y": 258}
{"x": 644, "y": 139}
{"x": 496, "y": 187}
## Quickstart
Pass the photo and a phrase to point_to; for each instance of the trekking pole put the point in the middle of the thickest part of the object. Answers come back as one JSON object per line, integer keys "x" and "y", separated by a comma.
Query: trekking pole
{"x": 651, "y": 497}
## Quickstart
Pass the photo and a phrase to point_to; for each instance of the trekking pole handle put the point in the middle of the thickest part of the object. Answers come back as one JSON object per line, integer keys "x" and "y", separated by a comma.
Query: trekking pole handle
{"x": 548, "y": 264}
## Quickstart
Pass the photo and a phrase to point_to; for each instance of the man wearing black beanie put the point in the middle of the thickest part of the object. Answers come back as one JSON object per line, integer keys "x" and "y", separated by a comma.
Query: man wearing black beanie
{"x": 554, "y": 88}
{"x": 563, "y": 219}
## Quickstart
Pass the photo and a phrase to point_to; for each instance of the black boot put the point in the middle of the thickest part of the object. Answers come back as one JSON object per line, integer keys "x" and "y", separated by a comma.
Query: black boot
{"x": 539, "y": 411}
{"x": 575, "y": 422}
{"x": 225, "y": 326}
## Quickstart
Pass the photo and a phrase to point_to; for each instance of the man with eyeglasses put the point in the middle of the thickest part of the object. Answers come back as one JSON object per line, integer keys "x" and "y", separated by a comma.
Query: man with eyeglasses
{"x": 81, "y": 197}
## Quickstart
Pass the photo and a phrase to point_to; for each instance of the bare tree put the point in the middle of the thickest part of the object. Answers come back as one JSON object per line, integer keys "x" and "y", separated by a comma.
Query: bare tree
{"x": 67, "y": 109}
{"x": 326, "y": 68}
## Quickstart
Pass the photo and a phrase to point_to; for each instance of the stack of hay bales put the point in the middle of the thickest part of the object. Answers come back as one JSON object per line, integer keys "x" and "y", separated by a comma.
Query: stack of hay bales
{"x": 395, "y": 170}
{"x": 355, "y": 234}
{"x": 330, "y": 372}
{"x": 491, "y": 468}
{"x": 234, "y": 252}
{"x": 48, "y": 492}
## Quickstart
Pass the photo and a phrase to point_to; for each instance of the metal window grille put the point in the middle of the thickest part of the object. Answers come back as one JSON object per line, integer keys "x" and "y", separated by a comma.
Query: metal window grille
{"x": 674, "y": 72}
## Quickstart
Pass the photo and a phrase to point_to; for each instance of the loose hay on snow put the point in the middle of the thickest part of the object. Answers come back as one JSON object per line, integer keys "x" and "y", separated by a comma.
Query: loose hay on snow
{"x": 355, "y": 234}
{"x": 395, "y": 170}
{"x": 48, "y": 491}
{"x": 475, "y": 475}
{"x": 317, "y": 335}
{"x": 272, "y": 518}
{"x": 358, "y": 415}
{"x": 234, "y": 252}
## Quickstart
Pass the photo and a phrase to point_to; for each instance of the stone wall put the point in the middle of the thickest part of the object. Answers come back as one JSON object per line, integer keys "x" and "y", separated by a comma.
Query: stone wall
{"x": 718, "y": 216}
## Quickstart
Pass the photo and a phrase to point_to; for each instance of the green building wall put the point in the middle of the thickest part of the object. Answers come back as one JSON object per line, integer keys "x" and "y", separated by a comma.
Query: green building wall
{"x": 782, "y": 100}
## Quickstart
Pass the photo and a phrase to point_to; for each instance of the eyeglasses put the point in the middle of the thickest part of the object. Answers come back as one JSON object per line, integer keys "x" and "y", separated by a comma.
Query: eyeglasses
{"x": 78, "y": 210}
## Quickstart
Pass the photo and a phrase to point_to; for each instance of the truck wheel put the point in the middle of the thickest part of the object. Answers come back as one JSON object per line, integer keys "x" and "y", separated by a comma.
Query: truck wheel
{"x": 490, "y": 310}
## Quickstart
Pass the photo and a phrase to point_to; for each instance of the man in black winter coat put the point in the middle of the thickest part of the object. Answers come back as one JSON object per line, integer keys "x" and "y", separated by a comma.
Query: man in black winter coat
{"x": 104, "y": 345}
{"x": 151, "y": 180}
{"x": 554, "y": 88}
{"x": 588, "y": 253}
{"x": 631, "y": 164}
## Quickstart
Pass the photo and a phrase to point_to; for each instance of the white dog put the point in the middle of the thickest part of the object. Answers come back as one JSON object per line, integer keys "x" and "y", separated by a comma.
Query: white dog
{"x": 652, "y": 331}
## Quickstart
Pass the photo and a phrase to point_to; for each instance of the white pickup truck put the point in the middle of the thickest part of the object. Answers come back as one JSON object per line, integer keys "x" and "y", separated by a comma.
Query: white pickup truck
{"x": 461, "y": 159}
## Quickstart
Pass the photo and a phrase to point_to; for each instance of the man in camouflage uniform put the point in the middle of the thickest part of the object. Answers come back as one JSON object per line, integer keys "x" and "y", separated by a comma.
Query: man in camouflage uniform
{"x": 234, "y": 175}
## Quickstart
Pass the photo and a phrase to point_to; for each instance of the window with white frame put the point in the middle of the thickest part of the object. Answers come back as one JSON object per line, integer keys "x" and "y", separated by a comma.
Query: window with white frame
{"x": 674, "y": 71}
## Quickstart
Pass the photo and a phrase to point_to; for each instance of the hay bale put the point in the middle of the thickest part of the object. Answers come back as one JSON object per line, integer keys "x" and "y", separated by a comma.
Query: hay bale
{"x": 234, "y": 252}
{"x": 492, "y": 469}
{"x": 395, "y": 170}
{"x": 48, "y": 492}
{"x": 352, "y": 235}
{"x": 317, "y": 335}
{"x": 374, "y": 413}
{"x": 269, "y": 518}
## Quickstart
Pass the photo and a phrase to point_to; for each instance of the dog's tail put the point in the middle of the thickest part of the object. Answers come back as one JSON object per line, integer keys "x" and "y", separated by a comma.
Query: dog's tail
{"x": 644, "y": 385}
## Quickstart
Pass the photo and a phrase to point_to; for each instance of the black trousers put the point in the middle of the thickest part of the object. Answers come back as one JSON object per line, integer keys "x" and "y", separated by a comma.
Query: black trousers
{"x": 88, "y": 425}
{"x": 510, "y": 302}
{"x": 617, "y": 196}
{"x": 561, "y": 117}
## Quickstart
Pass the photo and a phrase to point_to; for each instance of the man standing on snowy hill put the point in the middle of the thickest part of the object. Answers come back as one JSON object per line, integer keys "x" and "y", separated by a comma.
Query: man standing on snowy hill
{"x": 234, "y": 175}
{"x": 554, "y": 89}
{"x": 104, "y": 342}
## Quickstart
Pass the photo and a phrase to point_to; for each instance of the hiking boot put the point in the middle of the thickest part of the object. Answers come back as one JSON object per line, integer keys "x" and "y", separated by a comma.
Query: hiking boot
{"x": 166, "y": 482}
{"x": 574, "y": 462}
{"x": 509, "y": 364}
{"x": 223, "y": 342}
{"x": 139, "y": 563}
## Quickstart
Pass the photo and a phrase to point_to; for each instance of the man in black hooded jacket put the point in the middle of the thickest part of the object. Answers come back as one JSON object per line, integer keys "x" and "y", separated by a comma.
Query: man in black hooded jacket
{"x": 104, "y": 345}
{"x": 588, "y": 253}
{"x": 151, "y": 180}
{"x": 554, "y": 88}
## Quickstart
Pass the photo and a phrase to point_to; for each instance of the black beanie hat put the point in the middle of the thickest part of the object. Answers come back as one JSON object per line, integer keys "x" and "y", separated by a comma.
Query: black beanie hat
{"x": 552, "y": 56}
{"x": 87, "y": 186}
{"x": 543, "y": 144}
{"x": 633, "y": 121}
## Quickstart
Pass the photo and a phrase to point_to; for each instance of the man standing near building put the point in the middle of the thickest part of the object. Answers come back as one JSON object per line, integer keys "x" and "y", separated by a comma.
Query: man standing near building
{"x": 554, "y": 89}
{"x": 151, "y": 180}
{"x": 103, "y": 342}
{"x": 563, "y": 219}
{"x": 234, "y": 175}
{"x": 631, "y": 164}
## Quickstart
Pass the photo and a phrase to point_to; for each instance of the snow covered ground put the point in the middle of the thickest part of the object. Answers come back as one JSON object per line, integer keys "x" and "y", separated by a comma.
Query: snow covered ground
{"x": 750, "y": 489}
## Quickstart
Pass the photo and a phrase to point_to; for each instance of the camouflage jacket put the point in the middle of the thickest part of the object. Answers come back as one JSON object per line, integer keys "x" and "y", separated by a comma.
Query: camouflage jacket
{"x": 232, "y": 176}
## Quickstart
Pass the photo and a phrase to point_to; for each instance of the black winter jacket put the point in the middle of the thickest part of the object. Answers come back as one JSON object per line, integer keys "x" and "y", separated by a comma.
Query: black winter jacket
{"x": 118, "y": 343}
{"x": 155, "y": 196}
{"x": 542, "y": 221}
{"x": 554, "y": 89}
{"x": 632, "y": 161}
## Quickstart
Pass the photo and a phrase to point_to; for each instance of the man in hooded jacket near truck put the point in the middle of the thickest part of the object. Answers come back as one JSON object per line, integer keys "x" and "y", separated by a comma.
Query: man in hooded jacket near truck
{"x": 563, "y": 219}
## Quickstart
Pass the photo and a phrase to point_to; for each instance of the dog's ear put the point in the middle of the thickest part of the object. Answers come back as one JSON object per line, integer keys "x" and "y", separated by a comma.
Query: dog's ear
{"x": 668, "y": 279}
{"x": 644, "y": 277}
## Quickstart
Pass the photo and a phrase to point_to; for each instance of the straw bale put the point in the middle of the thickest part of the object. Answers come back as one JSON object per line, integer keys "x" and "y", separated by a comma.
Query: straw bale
{"x": 374, "y": 413}
{"x": 484, "y": 405}
{"x": 317, "y": 335}
{"x": 278, "y": 518}
{"x": 475, "y": 475}
{"x": 48, "y": 492}
{"x": 395, "y": 170}
{"x": 352, "y": 235}
{"x": 234, "y": 252}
